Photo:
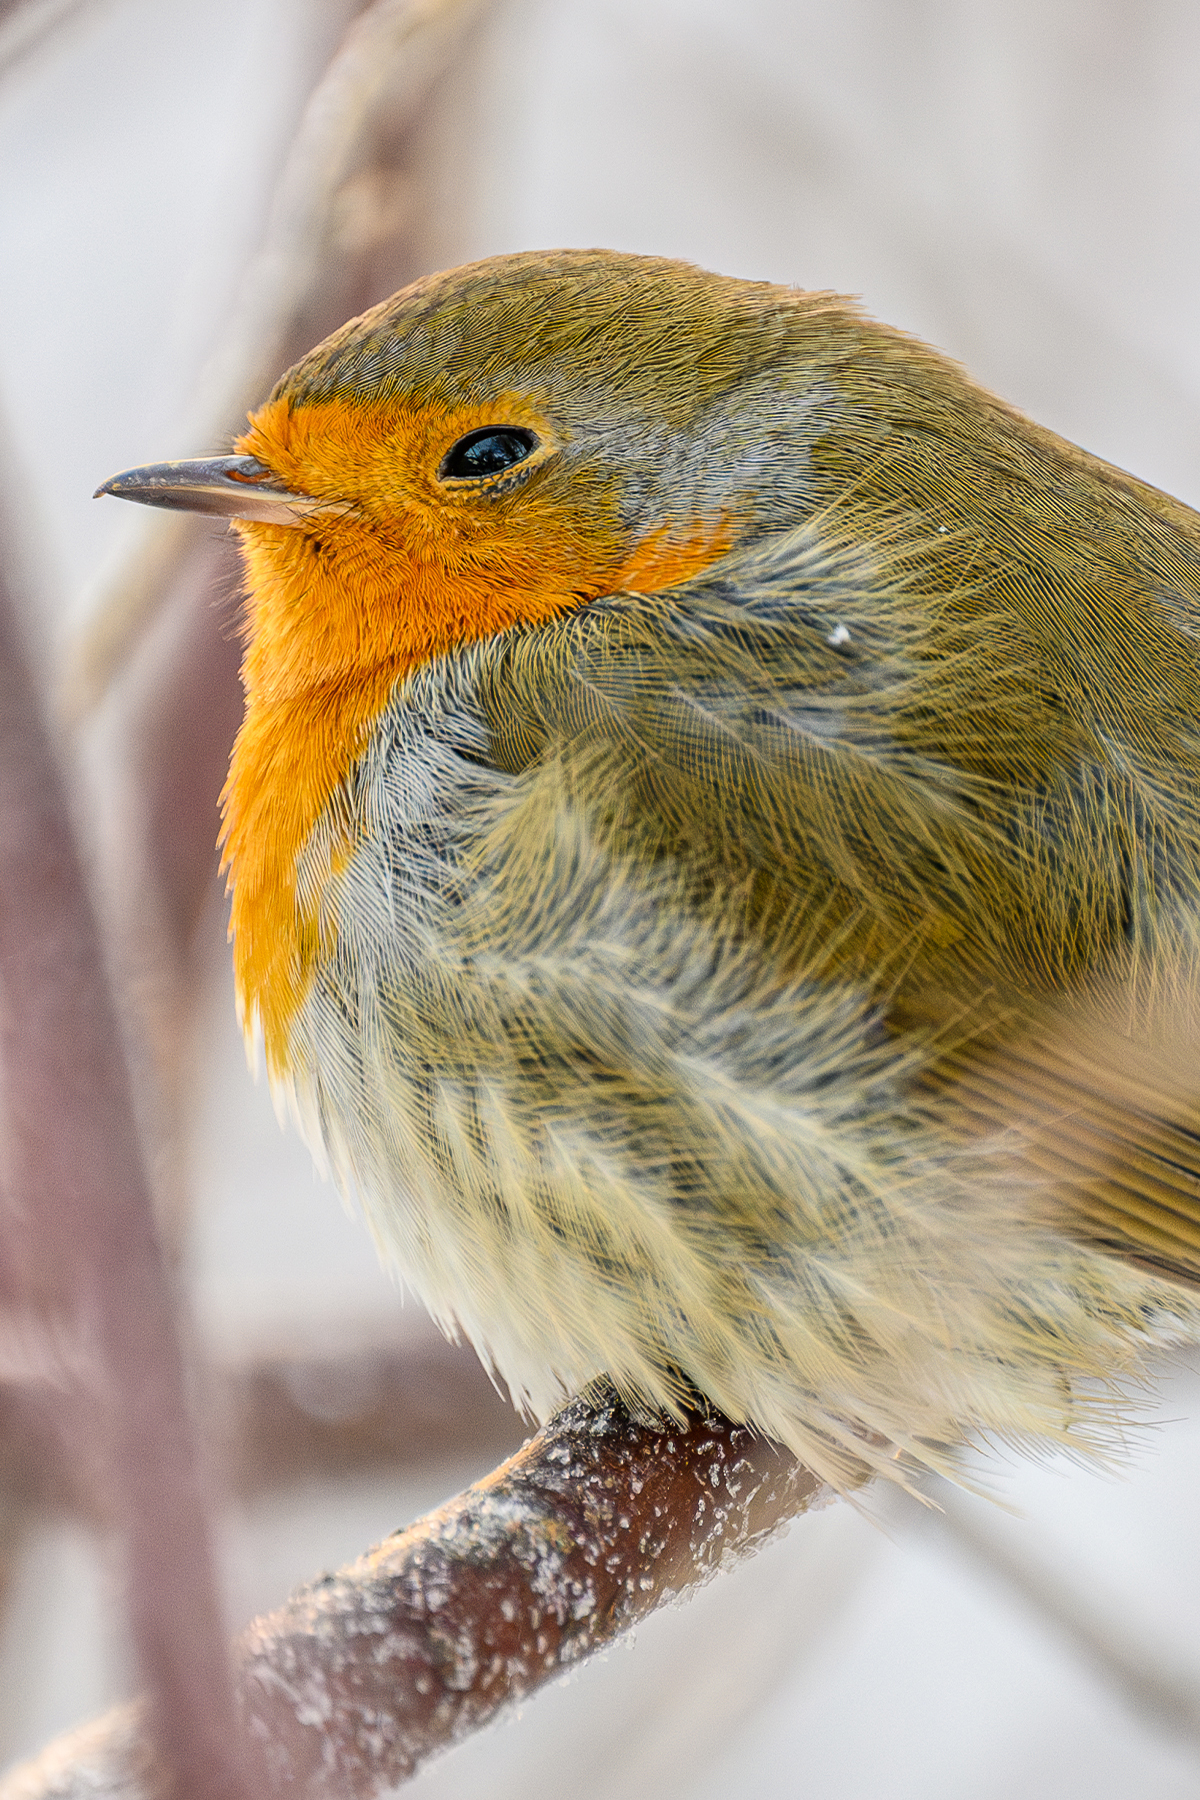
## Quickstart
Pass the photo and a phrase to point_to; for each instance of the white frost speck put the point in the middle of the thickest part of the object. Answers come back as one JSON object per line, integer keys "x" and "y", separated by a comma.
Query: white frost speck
{"x": 839, "y": 635}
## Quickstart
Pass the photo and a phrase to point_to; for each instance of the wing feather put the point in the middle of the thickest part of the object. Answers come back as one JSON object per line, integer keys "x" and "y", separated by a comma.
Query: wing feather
{"x": 864, "y": 764}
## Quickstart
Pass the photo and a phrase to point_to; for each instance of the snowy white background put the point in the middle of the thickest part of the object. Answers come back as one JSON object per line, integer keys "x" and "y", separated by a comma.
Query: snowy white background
{"x": 1017, "y": 182}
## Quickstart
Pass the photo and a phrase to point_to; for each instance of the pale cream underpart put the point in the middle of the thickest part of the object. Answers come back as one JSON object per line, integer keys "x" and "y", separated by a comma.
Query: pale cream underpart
{"x": 530, "y": 1215}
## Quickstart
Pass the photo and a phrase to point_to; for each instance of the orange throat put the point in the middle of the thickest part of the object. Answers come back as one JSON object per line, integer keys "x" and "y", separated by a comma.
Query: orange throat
{"x": 308, "y": 720}
{"x": 340, "y": 609}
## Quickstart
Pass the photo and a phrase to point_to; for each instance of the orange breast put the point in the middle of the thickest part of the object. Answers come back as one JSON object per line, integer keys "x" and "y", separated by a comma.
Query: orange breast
{"x": 341, "y": 607}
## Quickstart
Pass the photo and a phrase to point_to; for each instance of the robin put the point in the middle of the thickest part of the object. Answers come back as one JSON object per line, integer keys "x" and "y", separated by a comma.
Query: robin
{"x": 714, "y": 847}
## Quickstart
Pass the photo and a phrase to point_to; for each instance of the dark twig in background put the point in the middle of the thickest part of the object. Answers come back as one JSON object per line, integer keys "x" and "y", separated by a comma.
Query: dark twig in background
{"x": 25, "y": 25}
{"x": 358, "y": 1679}
{"x": 81, "y": 1256}
{"x": 1141, "y": 1673}
{"x": 358, "y": 1404}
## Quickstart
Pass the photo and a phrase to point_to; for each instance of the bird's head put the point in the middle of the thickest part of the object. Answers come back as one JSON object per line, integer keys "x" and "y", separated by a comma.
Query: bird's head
{"x": 488, "y": 449}
{"x": 498, "y": 444}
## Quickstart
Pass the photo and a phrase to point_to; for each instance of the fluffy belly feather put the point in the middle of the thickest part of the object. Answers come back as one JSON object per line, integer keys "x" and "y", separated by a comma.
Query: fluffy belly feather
{"x": 595, "y": 1136}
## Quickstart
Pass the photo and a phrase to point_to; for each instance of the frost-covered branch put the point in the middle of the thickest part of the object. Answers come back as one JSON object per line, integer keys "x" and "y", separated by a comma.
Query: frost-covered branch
{"x": 361, "y": 1677}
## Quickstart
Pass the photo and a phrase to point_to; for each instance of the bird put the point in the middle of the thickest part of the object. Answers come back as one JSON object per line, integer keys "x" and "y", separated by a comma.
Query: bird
{"x": 714, "y": 854}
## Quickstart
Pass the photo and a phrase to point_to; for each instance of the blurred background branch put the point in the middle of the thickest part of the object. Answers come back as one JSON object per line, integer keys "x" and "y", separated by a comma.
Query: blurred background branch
{"x": 25, "y": 25}
{"x": 358, "y": 1404}
{"x": 80, "y": 1255}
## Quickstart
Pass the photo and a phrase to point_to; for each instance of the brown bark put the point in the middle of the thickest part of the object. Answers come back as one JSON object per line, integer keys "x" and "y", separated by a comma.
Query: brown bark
{"x": 361, "y": 1677}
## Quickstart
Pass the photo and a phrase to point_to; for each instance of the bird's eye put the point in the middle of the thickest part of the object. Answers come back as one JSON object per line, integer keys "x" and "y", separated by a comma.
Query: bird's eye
{"x": 486, "y": 452}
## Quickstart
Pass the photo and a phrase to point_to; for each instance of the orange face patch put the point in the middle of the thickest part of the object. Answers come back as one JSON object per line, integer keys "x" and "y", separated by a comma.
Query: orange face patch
{"x": 404, "y": 567}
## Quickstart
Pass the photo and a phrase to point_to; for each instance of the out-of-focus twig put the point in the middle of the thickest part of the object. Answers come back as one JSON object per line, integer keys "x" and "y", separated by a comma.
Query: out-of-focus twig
{"x": 1168, "y": 1696}
{"x": 368, "y": 1405}
{"x": 352, "y": 1685}
{"x": 80, "y": 1246}
{"x": 25, "y": 25}
{"x": 389, "y": 58}
{"x": 364, "y": 1402}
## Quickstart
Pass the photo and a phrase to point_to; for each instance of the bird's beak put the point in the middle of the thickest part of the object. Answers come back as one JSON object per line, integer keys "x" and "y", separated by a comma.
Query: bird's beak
{"x": 232, "y": 487}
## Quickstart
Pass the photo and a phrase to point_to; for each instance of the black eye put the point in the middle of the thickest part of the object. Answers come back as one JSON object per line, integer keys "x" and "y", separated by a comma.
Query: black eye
{"x": 486, "y": 452}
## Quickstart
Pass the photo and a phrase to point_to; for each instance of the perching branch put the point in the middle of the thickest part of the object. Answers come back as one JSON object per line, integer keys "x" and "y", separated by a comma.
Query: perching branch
{"x": 361, "y": 1677}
